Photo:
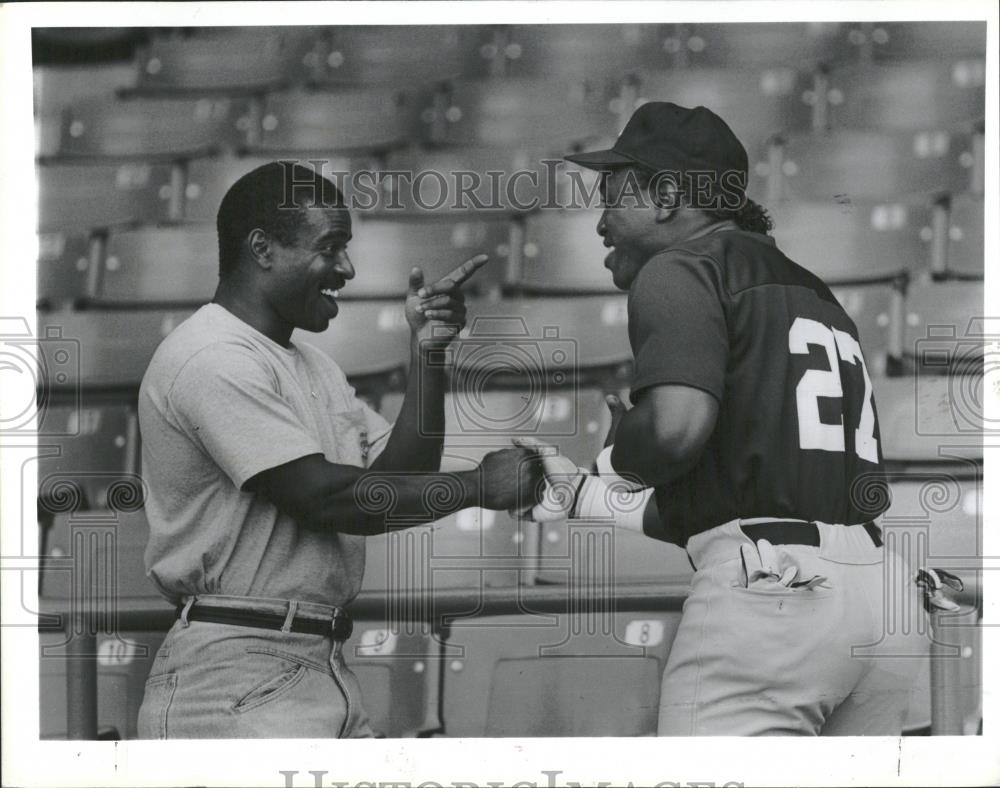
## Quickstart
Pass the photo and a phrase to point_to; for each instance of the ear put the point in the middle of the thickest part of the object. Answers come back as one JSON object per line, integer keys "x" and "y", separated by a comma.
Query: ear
{"x": 668, "y": 199}
{"x": 260, "y": 247}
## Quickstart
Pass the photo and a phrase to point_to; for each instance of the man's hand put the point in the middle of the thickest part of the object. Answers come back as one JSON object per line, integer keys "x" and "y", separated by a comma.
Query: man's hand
{"x": 562, "y": 482}
{"x": 510, "y": 479}
{"x": 618, "y": 409}
{"x": 436, "y": 312}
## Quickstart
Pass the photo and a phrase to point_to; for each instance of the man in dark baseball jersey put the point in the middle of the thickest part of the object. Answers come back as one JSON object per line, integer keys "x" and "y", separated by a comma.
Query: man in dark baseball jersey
{"x": 753, "y": 420}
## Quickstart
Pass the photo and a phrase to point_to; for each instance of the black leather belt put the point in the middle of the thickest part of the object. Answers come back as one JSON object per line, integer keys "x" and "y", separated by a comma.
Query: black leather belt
{"x": 339, "y": 627}
{"x": 800, "y": 532}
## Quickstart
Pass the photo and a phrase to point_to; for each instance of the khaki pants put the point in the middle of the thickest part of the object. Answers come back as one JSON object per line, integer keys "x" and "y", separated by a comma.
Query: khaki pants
{"x": 774, "y": 660}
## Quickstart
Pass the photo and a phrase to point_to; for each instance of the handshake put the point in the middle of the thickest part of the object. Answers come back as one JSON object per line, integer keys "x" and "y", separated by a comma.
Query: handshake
{"x": 534, "y": 482}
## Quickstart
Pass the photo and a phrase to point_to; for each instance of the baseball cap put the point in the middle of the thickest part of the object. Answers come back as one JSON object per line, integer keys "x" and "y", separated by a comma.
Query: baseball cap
{"x": 664, "y": 136}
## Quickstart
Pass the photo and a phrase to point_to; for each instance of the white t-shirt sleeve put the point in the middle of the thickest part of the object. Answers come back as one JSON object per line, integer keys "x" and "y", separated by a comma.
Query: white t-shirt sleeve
{"x": 379, "y": 431}
{"x": 228, "y": 402}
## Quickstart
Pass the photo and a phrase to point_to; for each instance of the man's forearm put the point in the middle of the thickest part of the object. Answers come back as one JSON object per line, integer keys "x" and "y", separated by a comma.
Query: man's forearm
{"x": 382, "y": 500}
{"x": 418, "y": 435}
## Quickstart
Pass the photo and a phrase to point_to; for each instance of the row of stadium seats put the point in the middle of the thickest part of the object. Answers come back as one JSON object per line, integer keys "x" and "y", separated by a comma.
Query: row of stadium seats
{"x": 548, "y": 252}
{"x": 523, "y": 111}
{"x": 256, "y": 59}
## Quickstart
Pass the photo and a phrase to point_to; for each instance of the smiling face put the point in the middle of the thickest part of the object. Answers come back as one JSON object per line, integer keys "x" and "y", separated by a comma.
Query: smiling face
{"x": 308, "y": 272}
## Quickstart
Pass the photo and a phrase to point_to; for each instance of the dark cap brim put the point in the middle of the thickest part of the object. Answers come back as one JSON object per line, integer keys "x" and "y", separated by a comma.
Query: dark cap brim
{"x": 600, "y": 159}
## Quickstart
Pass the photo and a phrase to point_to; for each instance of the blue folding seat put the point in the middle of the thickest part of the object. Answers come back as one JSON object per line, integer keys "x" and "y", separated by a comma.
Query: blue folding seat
{"x": 928, "y": 94}
{"x": 397, "y": 55}
{"x": 160, "y": 265}
{"x": 536, "y": 114}
{"x": 859, "y": 165}
{"x": 95, "y": 558}
{"x": 876, "y": 307}
{"x": 562, "y": 252}
{"x": 325, "y": 123}
{"x": 86, "y": 451}
{"x": 149, "y": 129}
{"x": 911, "y": 40}
{"x": 80, "y": 197}
{"x": 63, "y": 266}
{"x": 103, "y": 348}
{"x": 945, "y": 327}
{"x": 840, "y": 240}
{"x": 965, "y": 235}
{"x": 572, "y": 50}
{"x": 755, "y": 103}
{"x": 226, "y": 60}
{"x": 801, "y": 45}
{"x": 480, "y": 180}
{"x": 385, "y": 247}
{"x": 589, "y": 672}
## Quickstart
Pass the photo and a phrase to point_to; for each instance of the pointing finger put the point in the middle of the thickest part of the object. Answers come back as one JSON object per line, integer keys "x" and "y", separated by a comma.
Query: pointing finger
{"x": 456, "y": 277}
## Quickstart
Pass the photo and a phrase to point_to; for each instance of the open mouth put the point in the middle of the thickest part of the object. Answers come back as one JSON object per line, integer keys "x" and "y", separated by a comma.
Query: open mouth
{"x": 329, "y": 296}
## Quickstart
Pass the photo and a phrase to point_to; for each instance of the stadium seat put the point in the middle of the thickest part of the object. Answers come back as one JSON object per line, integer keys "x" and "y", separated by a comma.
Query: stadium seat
{"x": 98, "y": 445}
{"x": 837, "y": 240}
{"x": 398, "y": 667}
{"x": 99, "y": 554}
{"x": 755, "y": 103}
{"x": 927, "y": 417}
{"x": 325, "y": 123}
{"x": 877, "y": 311}
{"x": 583, "y": 674}
{"x": 861, "y": 165}
{"x": 208, "y": 180}
{"x": 573, "y": 50}
{"x": 81, "y": 197}
{"x": 225, "y": 61}
{"x": 435, "y": 181}
{"x": 965, "y": 236}
{"x": 105, "y": 349}
{"x": 383, "y": 328}
{"x": 123, "y": 664}
{"x": 149, "y": 128}
{"x": 563, "y": 252}
{"x": 63, "y": 266}
{"x": 537, "y": 114}
{"x": 557, "y": 335}
{"x": 801, "y": 45}
{"x": 161, "y": 265}
{"x": 384, "y": 249}
{"x": 910, "y": 40}
{"x": 402, "y": 54}
{"x": 944, "y": 327}
{"x": 927, "y": 94}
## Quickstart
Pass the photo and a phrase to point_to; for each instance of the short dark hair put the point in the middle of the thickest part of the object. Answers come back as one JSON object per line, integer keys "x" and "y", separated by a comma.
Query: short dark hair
{"x": 273, "y": 198}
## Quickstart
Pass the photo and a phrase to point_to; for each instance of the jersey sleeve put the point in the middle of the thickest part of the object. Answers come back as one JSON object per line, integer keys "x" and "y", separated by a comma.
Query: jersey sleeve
{"x": 677, "y": 324}
{"x": 229, "y": 403}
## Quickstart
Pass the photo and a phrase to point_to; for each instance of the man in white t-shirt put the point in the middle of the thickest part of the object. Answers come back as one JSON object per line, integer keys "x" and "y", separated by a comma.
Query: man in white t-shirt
{"x": 262, "y": 467}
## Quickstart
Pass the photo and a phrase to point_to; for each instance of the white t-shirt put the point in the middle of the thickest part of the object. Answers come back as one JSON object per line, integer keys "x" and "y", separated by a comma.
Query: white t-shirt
{"x": 220, "y": 402}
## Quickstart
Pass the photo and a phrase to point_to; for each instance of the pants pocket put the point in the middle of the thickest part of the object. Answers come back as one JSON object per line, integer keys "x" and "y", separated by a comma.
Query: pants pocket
{"x": 152, "y": 722}
{"x": 272, "y": 686}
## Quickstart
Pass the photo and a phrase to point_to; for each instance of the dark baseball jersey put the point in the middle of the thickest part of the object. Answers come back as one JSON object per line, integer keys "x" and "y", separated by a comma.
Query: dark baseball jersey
{"x": 797, "y": 435}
